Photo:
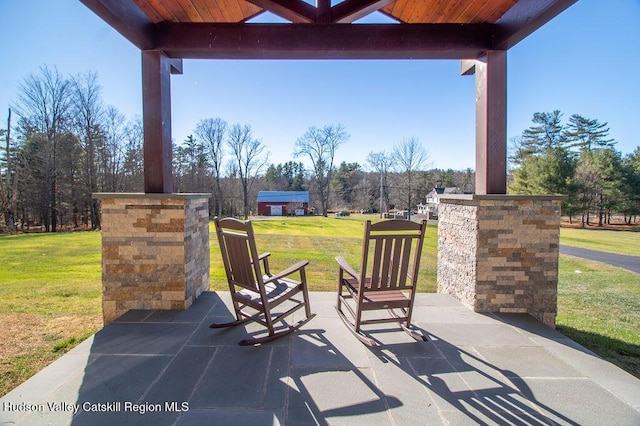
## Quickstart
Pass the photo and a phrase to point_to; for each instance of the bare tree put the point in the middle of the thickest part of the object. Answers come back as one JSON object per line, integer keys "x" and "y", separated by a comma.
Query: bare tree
{"x": 250, "y": 158}
{"x": 211, "y": 132}
{"x": 88, "y": 117}
{"x": 133, "y": 166}
{"x": 8, "y": 183}
{"x": 410, "y": 156}
{"x": 320, "y": 146}
{"x": 382, "y": 163}
{"x": 230, "y": 187}
{"x": 8, "y": 187}
{"x": 69, "y": 186}
{"x": 43, "y": 106}
{"x": 111, "y": 150}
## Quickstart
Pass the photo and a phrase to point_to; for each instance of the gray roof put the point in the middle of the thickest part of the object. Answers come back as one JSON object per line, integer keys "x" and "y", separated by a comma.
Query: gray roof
{"x": 283, "y": 196}
{"x": 448, "y": 190}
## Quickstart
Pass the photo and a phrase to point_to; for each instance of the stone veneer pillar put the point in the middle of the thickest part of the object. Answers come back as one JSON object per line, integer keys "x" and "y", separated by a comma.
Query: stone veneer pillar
{"x": 499, "y": 253}
{"x": 155, "y": 251}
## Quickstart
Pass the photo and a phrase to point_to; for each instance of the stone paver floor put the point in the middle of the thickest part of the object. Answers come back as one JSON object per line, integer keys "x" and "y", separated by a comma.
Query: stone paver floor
{"x": 168, "y": 367}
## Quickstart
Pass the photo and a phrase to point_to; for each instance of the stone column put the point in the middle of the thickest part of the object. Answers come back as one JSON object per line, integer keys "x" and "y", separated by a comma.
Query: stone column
{"x": 499, "y": 253}
{"x": 155, "y": 251}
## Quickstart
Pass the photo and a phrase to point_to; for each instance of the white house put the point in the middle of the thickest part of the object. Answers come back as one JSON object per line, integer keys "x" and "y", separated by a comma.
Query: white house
{"x": 433, "y": 200}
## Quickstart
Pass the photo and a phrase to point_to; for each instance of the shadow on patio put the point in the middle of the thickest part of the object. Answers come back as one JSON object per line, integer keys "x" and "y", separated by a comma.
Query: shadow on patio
{"x": 168, "y": 367}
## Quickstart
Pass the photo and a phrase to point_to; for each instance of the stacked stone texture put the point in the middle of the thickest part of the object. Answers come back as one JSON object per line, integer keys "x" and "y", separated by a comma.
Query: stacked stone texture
{"x": 155, "y": 251}
{"x": 500, "y": 253}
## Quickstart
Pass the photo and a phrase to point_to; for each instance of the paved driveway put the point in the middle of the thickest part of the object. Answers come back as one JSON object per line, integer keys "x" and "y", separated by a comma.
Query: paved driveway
{"x": 632, "y": 263}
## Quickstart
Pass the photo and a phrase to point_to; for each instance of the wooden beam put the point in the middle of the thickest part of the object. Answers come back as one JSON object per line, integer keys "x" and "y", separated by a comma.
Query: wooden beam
{"x": 491, "y": 122}
{"x": 323, "y": 41}
{"x": 525, "y": 17}
{"x": 296, "y": 11}
{"x": 156, "y": 112}
{"x": 521, "y": 20}
{"x": 127, "y": 18}
{"x": 351, "y": 10}
{"x": 323, "y": 11}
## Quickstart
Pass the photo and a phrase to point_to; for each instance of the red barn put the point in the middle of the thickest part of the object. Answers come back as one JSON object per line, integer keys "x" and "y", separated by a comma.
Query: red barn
{"x": 283, "y": 203}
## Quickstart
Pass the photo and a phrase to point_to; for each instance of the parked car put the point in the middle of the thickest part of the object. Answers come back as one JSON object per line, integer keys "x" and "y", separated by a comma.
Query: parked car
{"x": 342, "y": 213}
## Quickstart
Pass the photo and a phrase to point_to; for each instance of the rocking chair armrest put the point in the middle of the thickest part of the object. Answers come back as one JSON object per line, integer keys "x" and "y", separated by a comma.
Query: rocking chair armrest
{"x": 290, "y": 270}
{"x": 344, "y": 265}
{"x": 264, "y": 257}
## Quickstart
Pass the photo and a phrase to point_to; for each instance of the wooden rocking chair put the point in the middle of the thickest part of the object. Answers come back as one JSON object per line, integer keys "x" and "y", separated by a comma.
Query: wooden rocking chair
{"x": 387, "y": 278}
{"x": 255, "y": 291}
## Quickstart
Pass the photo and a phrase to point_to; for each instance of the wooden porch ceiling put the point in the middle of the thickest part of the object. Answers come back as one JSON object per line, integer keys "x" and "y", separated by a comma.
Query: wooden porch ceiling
{"x": 427, "y": 29}
{"x": 405, "y": 11}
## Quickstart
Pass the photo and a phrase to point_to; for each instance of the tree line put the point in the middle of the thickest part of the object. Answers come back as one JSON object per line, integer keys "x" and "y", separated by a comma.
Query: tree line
{"x": 577, "y": 159}
{"x": 62, "y": 144}
{"x": 218, "y": 161}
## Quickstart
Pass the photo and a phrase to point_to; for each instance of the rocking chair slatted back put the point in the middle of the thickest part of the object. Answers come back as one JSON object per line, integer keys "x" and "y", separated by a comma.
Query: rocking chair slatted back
{"x": 254, "y": 290}
{"x": 387, "y": 255}
{"x": 387, "y": 279}
{"x": 240, "y": 257}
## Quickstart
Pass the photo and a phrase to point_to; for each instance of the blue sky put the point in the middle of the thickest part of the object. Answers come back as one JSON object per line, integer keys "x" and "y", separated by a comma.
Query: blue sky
{"x": 585, "y": 61}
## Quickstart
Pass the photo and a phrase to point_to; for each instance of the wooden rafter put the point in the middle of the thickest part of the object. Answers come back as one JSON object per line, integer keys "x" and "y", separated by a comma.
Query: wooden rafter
{"x": 296, "y": 11}
{"x": 351, "y": 10}
{"x": 127, "y": 18}
{"x": 524, "y": 18}
{"x": 323, "y": 14}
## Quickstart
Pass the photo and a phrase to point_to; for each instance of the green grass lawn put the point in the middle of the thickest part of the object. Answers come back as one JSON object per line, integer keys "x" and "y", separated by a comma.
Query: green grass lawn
{"x": 620, "y": 242}
{"x": 50, "y": 299}
{"x": 49, "y": 273}
{"x": 50, "y": 288}
{"x": 320, "y": 240}
{"x": 599, "y": 307}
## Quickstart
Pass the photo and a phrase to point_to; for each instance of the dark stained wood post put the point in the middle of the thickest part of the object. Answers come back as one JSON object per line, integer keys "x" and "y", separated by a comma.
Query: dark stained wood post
{"x": 491, "y": 121}
{"x": 156, "y": 110}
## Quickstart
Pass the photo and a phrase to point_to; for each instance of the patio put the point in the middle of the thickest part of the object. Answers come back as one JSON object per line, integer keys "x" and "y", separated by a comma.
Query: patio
{"x": 168, "y": 367}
